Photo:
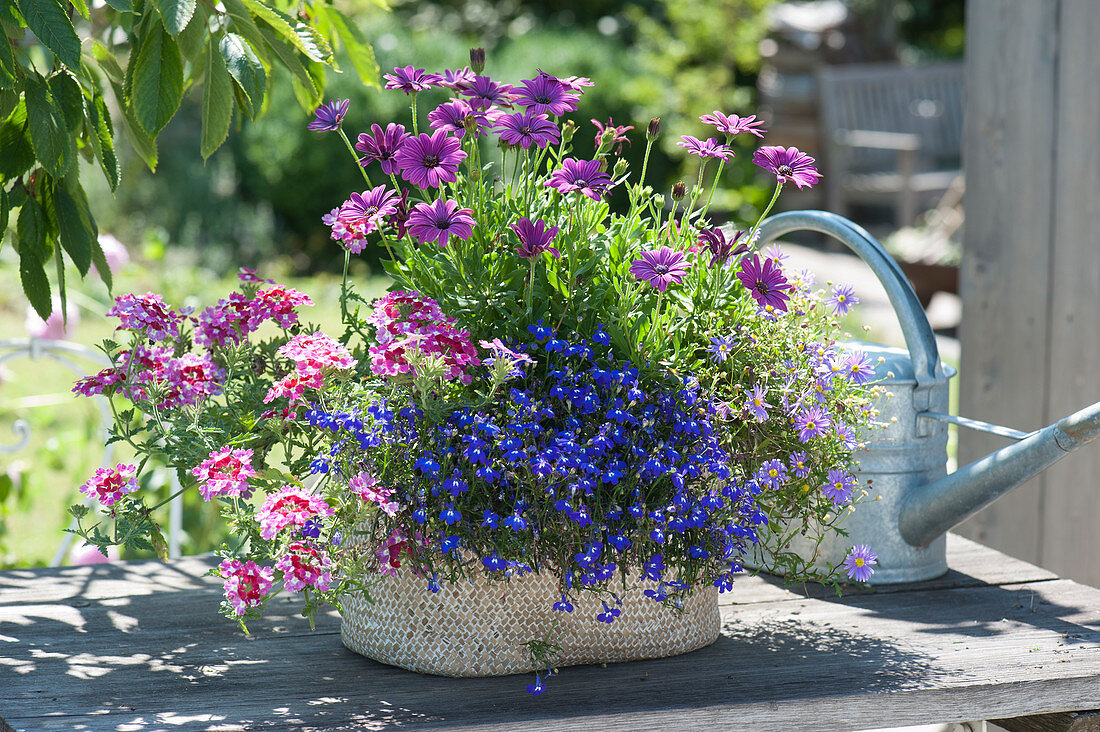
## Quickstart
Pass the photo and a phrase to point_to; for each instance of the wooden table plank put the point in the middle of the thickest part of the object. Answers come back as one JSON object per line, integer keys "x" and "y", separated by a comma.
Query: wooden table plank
{"x": 116, "y": 647}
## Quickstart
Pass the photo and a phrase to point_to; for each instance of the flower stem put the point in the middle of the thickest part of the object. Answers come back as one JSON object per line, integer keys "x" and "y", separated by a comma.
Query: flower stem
{"x": 713, "y": 188}
{"x": 775, "y": 196}
{"x": 351, "y": 150}
{"x": 416, "y": 130}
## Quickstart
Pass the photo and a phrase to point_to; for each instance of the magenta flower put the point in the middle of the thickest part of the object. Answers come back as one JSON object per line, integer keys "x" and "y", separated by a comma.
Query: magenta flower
{"x": 304, "y": 565}
{"x": 358, "y": 216}
{"x": 366, "y": 486}
{"x": 484, "y": 93}
{"x": 246, "y": 583}
{"x": 109, "y": 485}
{"x": 843, "y": 299}
{"x": 545, "y": 94}
{"x": 225, "y": 474}
{"x": 458, "y": 80}
{"x": 455, "y": 115}
{"x": 427, "y": 162}
{"x": 440, "y": 220}
{"x": 615, "y": 134}
{"x": 860, "y": 563}
{"x": 734, "y": 125}
{"x": 525, "y": 128}
{"x": 811, "y": 422}
{"x": 534, "y": 238}
{"x": 580, "y": 175}
{"x": 660, "y": 267}
{"x": 410, "y": 80}
{"x": 721, "y": 248}
{"x": 788, "y": 164}
{"x": 291, "y": 506}
{"x": 146, "y": 312}
{"x": 838, "y": 487}
{"x": 765, "y": 281}
{"x": 327, "y": 117}
{"x": 382, "y": 146}
{"x": 711, "y": 148}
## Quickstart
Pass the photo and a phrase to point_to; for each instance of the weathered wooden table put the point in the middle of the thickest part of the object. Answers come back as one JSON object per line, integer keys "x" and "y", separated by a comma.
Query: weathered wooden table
{"x": 140, "y": 646}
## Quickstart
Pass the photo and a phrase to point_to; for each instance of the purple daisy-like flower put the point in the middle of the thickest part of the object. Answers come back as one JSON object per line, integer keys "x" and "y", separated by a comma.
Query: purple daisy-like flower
{"x": 660, "y": 267}
{"x": 360, "y": 215}
{"x": 615, "y": 135}
{"x": 440, "y": 220}
{"x": 720, "y": 248}
{"x": 788, "y": 164}
{"x": 838, "y": 487}
{"x": 525, "y": 128}
{"x": 534, "y": 238}
{"x": 580, "y": 175}
{"x": 772, "y": 474}
{"x": 843, "y": 299}
{"x": 720, "y": 348}
{"x": 576, "y": 83}
{"x": 458, "y": 80}
{"x": 765, "y": 281}
{"x": 799, "y": 466}
{"x": 327, "y": 117}
{"x": 454, "y": 116}
{"x": 484, "y": 93}
{"x": 710, "y": 148}
{"x": 860, "y": 563}
{"x": 545, "y": 94}
{"x": 755, "y": 404}
{"x": 734, "y": 125}
{"x": 858, "y": 367}
{"x": 427, "y": 161}
{"x": 382, "y": 146}
{"x": 812, "y": 422}
{"x": 411, "y": 80}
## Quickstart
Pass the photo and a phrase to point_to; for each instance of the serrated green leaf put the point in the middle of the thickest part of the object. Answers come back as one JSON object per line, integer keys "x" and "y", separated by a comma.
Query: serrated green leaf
{"x": 192, "y": 39}
{"x": 144, "y": 145}
{"x": 10, "y": 70}
{"x": 356, "y": 44}
{"x": 59, "y": 260}
{"x": 76, "y": 229}
{"x": 217, "y": 102}
{"x": 301, "y": 36}
{"x": 9, "y": 100}
{"x": 54, "y": 148}
{"x": 176, "y": 14}
{"x": 99, "y": 259}
{"x": 16, "y": 152}
{"x": 108, "y": 63}
{"x": 307, "y": 90}
{"x": 36, "y": 286}
{"x": 9, "y": 15}
{"x": 50, "y": 24}
{"x": 157, "y": 80}
{"x": 34, "y": 249}
{"x": 101, "y": 136}
{"x": 247, "y": 71}
{"x": 4, "y": 211}
{"x": 244, "y": 26}
{"x": 82, "y": 8}
{"x": 69, "y": 98}
{"x": 122, "y": 6}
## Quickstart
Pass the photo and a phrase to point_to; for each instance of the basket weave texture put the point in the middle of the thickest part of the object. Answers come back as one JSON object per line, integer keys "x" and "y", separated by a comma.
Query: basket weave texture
{"x": 480, "y": 628}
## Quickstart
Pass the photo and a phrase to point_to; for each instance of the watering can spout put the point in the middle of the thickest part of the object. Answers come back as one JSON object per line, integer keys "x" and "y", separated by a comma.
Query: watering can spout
{"x": 930, "y": 510}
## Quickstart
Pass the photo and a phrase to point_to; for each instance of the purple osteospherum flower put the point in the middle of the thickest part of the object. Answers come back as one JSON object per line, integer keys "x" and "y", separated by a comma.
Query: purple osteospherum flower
{"x": 812, "y": 422}
{"x": 842, "y": 300}
{"x": 721, "y": 248}
{"x": 327, "y": 117}
{"x": 411, "y": 80}
{"x": 788, "y": 164}
{"x": 711, "y": 148}
{"x": 755, "y": 403}
{"x": 580, "y": 175}
{"x": 838, "y": 486}
{"x": 860, "y": 563}
{"x": 765, "y": 281}
{"x": 458, "y": 80}
{"x": 484, "y": 93}
{"x": 734, "y": 125}
{"x": 534, "y": 238}
{"x": 545, "y": 94}
{"x": 660, "y": 267}
{"x": 720, "y": 348}
{"x": 440, "y": 220}
{"x": 524, "y": 128}
{"x": 798, "y": 465}
{"x": 428, "y": 161}
{"x": 616, "y": 135}
{"x": 773, "y": 474}
{"x": 452, "y": 116}
{"x": 858, "y": 367}
{"x": 382, "y": 146}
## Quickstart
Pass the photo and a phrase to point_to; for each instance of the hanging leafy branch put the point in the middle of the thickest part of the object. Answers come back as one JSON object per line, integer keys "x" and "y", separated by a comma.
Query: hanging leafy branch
{"x": 55, "y": 76}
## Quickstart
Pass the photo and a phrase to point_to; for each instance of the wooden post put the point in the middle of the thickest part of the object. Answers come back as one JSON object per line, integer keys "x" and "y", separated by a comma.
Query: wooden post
{"x": 1030, "y": 276}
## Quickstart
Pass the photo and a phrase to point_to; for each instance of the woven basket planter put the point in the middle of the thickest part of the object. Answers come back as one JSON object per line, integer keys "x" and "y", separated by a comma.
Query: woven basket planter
{"x": 480, "y": 628}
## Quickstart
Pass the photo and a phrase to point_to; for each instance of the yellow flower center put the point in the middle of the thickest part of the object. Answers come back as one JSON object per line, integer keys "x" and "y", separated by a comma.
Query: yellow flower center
{"x": 859, "y": 561}
{"x": 773, "y": 472}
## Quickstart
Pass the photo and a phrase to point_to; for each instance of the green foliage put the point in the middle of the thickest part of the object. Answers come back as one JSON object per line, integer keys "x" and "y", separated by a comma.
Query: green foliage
{"x": 53, "y": 108}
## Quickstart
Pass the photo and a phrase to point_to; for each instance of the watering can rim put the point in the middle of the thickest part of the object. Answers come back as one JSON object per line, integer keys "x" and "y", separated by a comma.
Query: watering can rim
{"x": 897, "y": 366}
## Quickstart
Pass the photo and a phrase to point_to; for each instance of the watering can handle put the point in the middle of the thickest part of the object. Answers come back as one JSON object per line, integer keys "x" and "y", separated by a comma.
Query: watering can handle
{"x": 914, "y": 324}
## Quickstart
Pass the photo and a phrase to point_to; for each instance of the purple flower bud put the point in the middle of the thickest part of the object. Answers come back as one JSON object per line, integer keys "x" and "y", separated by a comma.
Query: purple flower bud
{"x": 653, "y": 129}
{"x": 477, "y": 60}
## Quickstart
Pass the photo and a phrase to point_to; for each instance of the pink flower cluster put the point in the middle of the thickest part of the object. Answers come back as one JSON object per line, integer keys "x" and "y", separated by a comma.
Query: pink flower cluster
{"x": 312, "y": 354}
{"x": 225, "y": 473}
{"x": 109, "y": 485}
{"x": 407, "y": 322}
{"x": 291, "y": 506}
{"x": 366, "y": 487}
{"x": 389, "y": 553}
{"x": 146, "y": 312}
{"x": 246, "y": 583}
{"x": 304, "y": 565}
{"x": 232, "y": 319}
{"x": 182, "y": 381}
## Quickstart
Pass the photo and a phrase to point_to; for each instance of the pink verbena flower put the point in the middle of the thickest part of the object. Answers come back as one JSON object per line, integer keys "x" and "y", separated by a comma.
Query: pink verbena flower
{"x": 109, "y": 485}
{"x": 102, "y": 383}
{"x": 407, "y": 322}
{"x": 304, "y": 565}
{"x": 227, "y": 323}
{"x": 225, "y": 474}
{"x": 249, "y": 275}
{"x": 291, "y": 506}
{"x": 293, "y": 386}
{"x": 146, "y": 313}
{"x": 312, "y": 352}
{"x": 246, "y": 583}
{"x": 279, "y": 304}
{"x": 389, "y": 553}
{"x": 366, "y": 486}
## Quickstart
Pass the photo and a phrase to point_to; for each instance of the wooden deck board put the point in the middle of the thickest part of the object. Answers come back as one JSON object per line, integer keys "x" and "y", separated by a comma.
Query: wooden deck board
{"x": 115, "y": 647}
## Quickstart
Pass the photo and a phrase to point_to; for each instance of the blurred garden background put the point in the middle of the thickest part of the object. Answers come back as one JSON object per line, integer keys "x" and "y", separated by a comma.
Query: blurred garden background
{"x": 257, "y": 202}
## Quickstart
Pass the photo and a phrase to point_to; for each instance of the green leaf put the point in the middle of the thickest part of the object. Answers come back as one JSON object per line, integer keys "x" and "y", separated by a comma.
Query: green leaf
{"x": 16, "y": 153}
{"x": 246, "y": 27}
{"x": 53, "y": 146}
{"x": 36, "y": 286}
{"x": 31, "y": 228}
{"x": 217, "y": 102}
{"x": 69, "y": 98}
{"x": 301, "y": 36}
{"x": 9, "y": 100}
{"x": 193, "y": 37}
{"x": 9, "y": 15}
{"x": 99, "y": 259}
{"x": 108, "y": 63}
{"x": 122, "y": 6}
{"x": 102, "y": 139}
{"x": 245, "y": 68}
{"x": 176, "y": 14}
{"x": 4, "y": 211}
{"x": 77, "y": 230}
{"x": 82, "y": 8}
{"x": 50, "y": 23}
{"x": 10, "y": 70}
{"x": 306, "y": 88}
{"x": 356, "y": 44}
{"x": 143, "y": 143}
{"x": 157, "y": 80}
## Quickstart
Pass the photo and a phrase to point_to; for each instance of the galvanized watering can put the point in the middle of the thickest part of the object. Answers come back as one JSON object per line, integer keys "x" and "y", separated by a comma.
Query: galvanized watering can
{"x": 906, "y": 462}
